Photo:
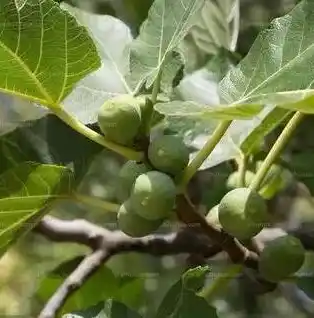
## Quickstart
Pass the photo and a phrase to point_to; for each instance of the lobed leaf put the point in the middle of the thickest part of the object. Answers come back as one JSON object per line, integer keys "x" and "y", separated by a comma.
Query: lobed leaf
{"x": 217, "y": 26}
{"x": 24, "y": 192}
{"x": 43, "y": 51}
{"x": 276, "y": 71}
{"x": 112, "y": 39}
{"x": 167, "y": 24}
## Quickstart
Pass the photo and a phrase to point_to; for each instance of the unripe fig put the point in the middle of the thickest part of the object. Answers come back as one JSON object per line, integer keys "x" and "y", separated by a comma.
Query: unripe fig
{"x": 153, "y": 195}
{"x": 120, "y": 119}
{"x": 281, "y": 258}
{"x": 242, "y": 213}
{"x": 233, "y": 181}
{"x": 276, "y": 179}
{"x": 127, "y": 176}
{"x": 212, "y": 216}
{"x": 132, "y": 224}
{"x": 168, "y": 154}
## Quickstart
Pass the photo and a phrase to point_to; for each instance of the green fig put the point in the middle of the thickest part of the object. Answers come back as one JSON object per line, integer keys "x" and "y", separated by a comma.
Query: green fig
{"x": 168, "y": 154}
{"x": 127, "y": 176}
{"x": 242, "y": 213}
{"x": 153, "y": 195}
{"x": 233, "y": 181}
{"x": 212, "y": 216}
{"x": 120, "y": 119}
{"x": 132, "y": 224}
{"x": 281, "y": 258}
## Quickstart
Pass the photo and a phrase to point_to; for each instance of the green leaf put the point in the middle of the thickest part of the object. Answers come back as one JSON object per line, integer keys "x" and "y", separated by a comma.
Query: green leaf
{"x": 43, "y": 51}
{"x": 193, "y": 109}
{"x": 277, "y": 62}
{"x": 193, "y": 279}
{"x": 24, "y": 191}
{"x": 172, "y": 72}
{"x": 181, "y": 300}
{"x": 217, "y": 26}
{"x": 166, "y": 25}
{"x": 101, "y": 286}
{"x": 107, "y": 309}
{"x": 270, "y": 122}
{"x": 112, "y": 38}
{"x": 43, "y": 141}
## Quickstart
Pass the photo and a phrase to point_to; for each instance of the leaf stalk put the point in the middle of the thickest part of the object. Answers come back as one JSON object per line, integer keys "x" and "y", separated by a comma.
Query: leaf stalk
{"x": 96, "y": 137}
{"x": 276, "y": 150}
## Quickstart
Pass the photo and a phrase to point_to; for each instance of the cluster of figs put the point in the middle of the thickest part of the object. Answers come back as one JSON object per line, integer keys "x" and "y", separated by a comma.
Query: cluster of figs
{"x": 147, "y": 190}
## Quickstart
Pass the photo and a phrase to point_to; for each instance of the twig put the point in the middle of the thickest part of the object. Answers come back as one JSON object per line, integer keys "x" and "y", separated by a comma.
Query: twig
{"x": 237, "y": 252}
{"x": 77, "y": 278}
{"x": 298, "y": 297}
{"x": 105, "y": 244}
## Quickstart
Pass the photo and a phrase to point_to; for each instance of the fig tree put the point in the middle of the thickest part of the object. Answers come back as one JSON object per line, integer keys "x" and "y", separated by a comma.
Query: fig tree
{"x": 120, "y": 119}
{"x": 242, "y": 213}
{"x": 168, "y": 154}
{"x": 281, "y": 258}
{"x": 233, "y": 181}
{"x": 153, "y": 195}
{"x": 132, "y": 224}
{"x": 127, "y": 176}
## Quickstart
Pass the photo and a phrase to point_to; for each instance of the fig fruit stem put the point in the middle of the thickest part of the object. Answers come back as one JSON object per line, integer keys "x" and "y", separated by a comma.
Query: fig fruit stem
{"x": 95, "y": 202}
{"x": 276, "y": 150}
{"x": 153, "y": 98}
{"x": 242, "y": 170}
{"x": 96, "y": 137}
{"x": 210, "y": 145}
{"x": 221, "y": 282}
{"x": 156, "y": 88}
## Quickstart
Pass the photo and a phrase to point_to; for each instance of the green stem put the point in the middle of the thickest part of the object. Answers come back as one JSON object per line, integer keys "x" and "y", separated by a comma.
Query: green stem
{"x": 96, "y": 202}
{"x": 153, "y": 99}
{"x": 214, "y": 289}
{"x": 94, "y": 136}
{"x": 276, "y": 150}
{"x": 156, "y": 88}
{"x": 242, "y": 170}
{"x": 210, "y": 145}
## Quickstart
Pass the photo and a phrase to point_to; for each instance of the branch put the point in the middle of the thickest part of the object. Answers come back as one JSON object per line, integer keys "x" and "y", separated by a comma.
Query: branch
{"x": 105, "y": 244}
{"x": 298, "y": 297}
{"x": 237, "y": 252}
{"x": 85, "y": 270}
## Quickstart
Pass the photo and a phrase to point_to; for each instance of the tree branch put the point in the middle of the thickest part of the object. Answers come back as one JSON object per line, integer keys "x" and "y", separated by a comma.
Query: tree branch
{"x": 105, "y": 244}
{"x": 237, "y": 252}
{"x": 78, "y": 277}
{"x": 298, "y": 297}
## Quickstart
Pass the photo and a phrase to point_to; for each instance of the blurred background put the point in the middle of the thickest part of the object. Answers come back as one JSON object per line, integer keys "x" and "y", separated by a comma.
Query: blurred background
{"x": 30, "y": 272}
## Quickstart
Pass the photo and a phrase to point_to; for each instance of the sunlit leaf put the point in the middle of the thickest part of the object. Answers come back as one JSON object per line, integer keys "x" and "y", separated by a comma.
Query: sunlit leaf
{"x": 217, "y": 26}
{"x": 43, "y": 51}
{"x": 166, "y": 25}
{"x": 112, "y": 38}
{"x": 24, "y": 191}
{"x": 279, "y": 61}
